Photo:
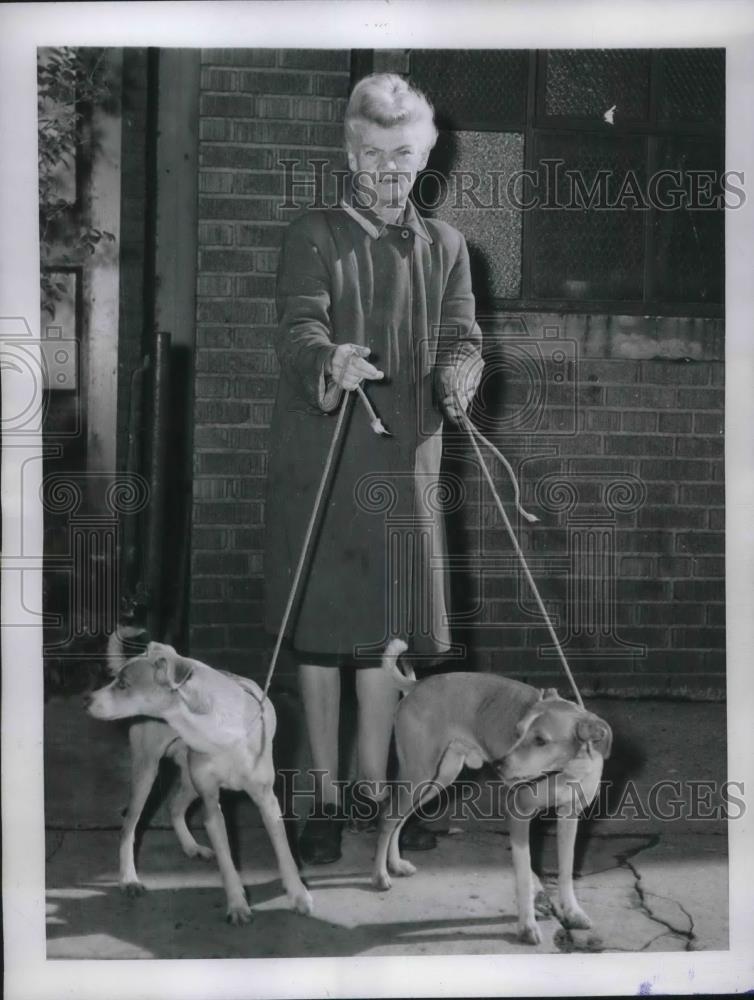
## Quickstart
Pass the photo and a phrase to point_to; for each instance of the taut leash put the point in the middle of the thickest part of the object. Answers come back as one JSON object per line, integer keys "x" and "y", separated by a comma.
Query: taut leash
{"x": 473, "y": 433}
{"x": 348, "y": 396}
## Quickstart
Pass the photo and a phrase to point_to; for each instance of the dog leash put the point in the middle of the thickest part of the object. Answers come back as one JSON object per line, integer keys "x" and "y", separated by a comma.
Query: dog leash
{"x": 475, "y": 434}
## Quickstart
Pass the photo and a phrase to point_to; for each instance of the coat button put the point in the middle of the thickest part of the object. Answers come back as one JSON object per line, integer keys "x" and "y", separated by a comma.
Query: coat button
{"x": 405, "y": 233}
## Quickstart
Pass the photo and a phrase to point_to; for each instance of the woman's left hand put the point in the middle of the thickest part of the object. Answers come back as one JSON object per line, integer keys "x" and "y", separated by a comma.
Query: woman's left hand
{"x": 463, "y": 388}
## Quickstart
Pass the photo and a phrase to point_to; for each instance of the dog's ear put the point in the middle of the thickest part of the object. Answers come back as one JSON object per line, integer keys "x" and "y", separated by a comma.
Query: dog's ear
{"x": 595, "y": 731}
{"x": 171, "y": 673}
{"x": 550, "y": 694}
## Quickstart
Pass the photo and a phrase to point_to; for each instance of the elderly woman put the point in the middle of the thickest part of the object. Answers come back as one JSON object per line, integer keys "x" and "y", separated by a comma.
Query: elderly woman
{"x": 368, "y": 292}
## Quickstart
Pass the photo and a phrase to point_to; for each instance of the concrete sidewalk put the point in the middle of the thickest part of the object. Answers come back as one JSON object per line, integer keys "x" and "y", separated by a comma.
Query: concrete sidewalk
{"x": 648, "y": 884}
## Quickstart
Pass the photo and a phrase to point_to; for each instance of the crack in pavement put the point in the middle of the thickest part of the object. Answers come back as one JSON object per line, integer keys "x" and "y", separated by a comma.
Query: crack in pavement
{"x": 624, "y": 861}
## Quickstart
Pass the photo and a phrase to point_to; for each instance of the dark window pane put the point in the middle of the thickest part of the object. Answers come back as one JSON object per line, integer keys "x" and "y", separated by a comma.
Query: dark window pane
{"x": 466, "y": 185}
{"x": 689, "y": 242}
{"x": 584, "y": 83}
{"x": 479, "y": 89}
{"x": 593, "y": 252}
{"x": 693, "y": 86}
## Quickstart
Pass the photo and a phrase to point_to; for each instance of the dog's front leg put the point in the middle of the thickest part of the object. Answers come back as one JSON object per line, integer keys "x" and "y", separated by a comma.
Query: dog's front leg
{"x": 572, "y": 914}
{"x": 144, "y": 767}
{"x": 238, "y": 911}
{"x": 528, "y": 932}
{"x": 181, "y": 798}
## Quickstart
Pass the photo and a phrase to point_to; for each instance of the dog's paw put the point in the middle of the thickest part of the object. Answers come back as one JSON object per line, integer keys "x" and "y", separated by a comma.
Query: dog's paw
{"x": 133, "y": 889}
{"x": 528, "y": 933}
{"x": 201, "y": 852}
{"x": 302, "y": 902}
{"x": 402, "y": 867}
{"x": 576, "y": 920}
{"x": 381, "y": 881}
{"x": 239, "y": 913}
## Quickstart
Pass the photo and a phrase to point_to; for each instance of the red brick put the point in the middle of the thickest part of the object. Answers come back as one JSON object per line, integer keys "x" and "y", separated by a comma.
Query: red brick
{"x": 700, "y": 447}
{"x": 215, "y": 129}
{"x": 239, "y": 57}
{"x": 602, "y": 420}
{"x": 225, "y": 412}
{"x": 255, "y": 286}
{"x": 672, "y": 517}
{"x": 245, "y": 157}
{"x": 316, "y": 59}
{"x": 217, "y": 563}
{"x": 228, "y": 513}
{"x": 259, "y": 236}
{"x": 675, "y": 372}
{"x": 225, "y": 463}
{"x": 274, "y": 133}
{"x": 258, "y": 209}
{"x": 647, "y": 396}
{"x": 699, "y": 590}
{"x": 275, "y": 82}
{"x": 676, "y": 469}
{"x": 699, "y": 638}
{"x": 640, "y": 421}
{"x": 709, "y": 423}
{"x": 247, "y": 311}
{"x": 636, "y": 444}
{"x": 255, "y": 388}
{"x": 218, "y": 79}
{"x": 226, "y": 106}
{"x": 215, "y": 182}
{"x": 641, "y": 566}
{"x": 672, "y": 613}
{"x": 256, "y": 183}
{"x": 701, "y": 542}
{"x": 212, "y": 388}
{"x": 716, "y": 520}
{"x": 674, "y": 566}
{"x": 709, "y": 494}
{"x": 215, "y": 233}
{"x": 644, "y": 541}
{"x": 675, "y": 423}
{"x": 701, "y": 399}
{"x": 710, "y": 565}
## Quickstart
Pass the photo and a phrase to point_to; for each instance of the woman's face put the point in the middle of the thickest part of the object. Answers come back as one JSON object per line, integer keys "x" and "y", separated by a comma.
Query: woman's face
{"x": 386, "y": 162}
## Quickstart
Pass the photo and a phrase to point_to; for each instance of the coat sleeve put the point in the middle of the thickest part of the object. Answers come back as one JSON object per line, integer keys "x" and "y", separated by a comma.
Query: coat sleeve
{"x": 459, "y": 353}
{"x": 304, "y": 343}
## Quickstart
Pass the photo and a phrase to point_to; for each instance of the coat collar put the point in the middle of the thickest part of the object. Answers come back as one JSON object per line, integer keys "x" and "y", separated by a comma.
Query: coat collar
{"x": 372, "y": 224}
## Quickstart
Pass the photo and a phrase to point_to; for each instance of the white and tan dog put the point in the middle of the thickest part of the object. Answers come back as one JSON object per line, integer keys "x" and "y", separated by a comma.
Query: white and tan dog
{"x": 228, "y": 729}
{"x": 547, "y": 749}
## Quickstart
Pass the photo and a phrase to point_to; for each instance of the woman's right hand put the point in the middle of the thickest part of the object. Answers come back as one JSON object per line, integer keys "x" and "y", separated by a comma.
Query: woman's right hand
{"x": 348, "y": 366}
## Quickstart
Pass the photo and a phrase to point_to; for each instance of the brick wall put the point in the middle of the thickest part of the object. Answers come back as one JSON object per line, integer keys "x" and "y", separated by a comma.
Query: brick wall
{"x": 630, "y": 544}
{"x": 637, "y": 442}
{"x": 258, "y": 107}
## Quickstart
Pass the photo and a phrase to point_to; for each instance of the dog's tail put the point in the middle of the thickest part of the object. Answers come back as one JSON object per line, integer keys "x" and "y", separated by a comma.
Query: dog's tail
{"x": 404, "y": 681}
{"x": 116, "y": 651}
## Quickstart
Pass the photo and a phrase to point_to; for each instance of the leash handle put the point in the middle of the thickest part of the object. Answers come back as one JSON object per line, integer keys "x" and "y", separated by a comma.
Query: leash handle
{"x": 473, "y": 433}
{"x": 307, "y": 538}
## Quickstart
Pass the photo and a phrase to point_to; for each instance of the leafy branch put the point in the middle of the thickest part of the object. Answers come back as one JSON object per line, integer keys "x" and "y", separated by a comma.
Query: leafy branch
{"x": 70, "y": 84}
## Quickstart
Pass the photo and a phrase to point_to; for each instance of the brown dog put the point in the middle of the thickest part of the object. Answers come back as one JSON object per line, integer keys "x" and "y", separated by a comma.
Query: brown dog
{"x": 228, "y": 728}
{"x": 547, "y": 749}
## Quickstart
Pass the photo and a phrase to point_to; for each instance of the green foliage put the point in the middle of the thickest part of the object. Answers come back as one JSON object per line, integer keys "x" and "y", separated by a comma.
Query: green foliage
{"x": 70, "y": 84}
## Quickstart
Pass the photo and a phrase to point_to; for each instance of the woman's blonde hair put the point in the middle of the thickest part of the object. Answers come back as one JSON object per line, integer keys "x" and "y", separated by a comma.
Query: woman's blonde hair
{"x": 386, "y": 99}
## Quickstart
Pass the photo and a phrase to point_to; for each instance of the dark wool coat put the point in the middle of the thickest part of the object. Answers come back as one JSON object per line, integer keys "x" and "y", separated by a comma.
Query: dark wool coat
{"x": 378, "y": 563}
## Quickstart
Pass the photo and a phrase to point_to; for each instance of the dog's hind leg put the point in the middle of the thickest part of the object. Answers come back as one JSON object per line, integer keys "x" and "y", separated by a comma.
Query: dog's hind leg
{"x": 263, "y": 795}
{"x": 183, "y": 794}
{"x": 412, "y": 781}
{"x": 238, "y": 909}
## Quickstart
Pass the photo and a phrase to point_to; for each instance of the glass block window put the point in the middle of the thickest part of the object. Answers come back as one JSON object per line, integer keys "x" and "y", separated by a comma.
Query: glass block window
{"x": 584, "y": 83}
{"x": 692, "y": 86}
{"x": 480, "y": 89}
{"x": 689, "y": 243}
{"x": 592, "y": 253}
{"x": 475, "y": 168}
